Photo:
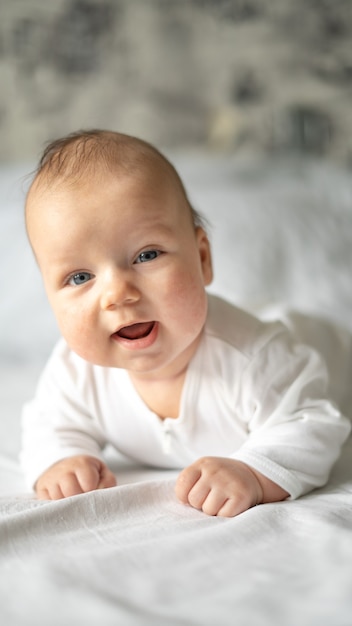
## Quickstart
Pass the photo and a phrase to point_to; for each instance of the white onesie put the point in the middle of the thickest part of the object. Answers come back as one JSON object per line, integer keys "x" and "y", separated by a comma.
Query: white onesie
{"x": 251, "y": 393}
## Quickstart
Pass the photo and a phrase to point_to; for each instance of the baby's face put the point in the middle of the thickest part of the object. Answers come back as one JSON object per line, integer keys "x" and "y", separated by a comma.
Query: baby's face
{"x": 124, "y": 270}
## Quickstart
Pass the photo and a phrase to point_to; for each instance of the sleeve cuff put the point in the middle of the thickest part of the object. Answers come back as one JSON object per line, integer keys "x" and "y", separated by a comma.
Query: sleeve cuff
{"x": 278, "y": 474}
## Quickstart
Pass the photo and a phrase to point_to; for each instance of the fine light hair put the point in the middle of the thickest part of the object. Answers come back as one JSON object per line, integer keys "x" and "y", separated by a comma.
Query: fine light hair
{"x": 85, "y": 153}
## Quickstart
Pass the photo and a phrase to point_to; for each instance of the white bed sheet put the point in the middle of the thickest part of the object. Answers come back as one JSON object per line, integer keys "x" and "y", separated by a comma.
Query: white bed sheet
{"x": 132, "y": 555}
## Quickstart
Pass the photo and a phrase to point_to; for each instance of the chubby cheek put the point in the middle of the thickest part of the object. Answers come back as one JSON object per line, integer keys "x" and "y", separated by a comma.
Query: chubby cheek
{"x": 78, "y": 328}
{"x": 185, "y": 301}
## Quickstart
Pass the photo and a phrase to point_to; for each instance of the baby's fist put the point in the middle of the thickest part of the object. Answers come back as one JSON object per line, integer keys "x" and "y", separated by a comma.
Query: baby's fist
{"x": 72, "y": 476}
{"x": 219, "y": 486}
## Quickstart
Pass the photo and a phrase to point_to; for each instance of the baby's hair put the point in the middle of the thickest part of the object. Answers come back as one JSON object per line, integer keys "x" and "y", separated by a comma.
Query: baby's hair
{"x": 71, "y": 157}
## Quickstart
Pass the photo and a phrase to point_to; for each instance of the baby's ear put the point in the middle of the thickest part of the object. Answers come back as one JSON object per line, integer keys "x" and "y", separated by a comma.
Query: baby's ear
{"x": 204, "y": 255}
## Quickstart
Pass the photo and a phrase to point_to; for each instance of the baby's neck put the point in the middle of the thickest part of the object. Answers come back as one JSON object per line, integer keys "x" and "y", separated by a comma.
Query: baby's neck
{"x": 163, "y": 397}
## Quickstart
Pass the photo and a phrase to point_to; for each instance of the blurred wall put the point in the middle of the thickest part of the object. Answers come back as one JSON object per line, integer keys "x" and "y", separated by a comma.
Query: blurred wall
{"x": 245, "y": 76}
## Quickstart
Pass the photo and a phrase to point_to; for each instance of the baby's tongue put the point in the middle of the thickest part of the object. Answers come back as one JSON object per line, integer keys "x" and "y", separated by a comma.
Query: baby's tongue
{"x": 136, "y": 331}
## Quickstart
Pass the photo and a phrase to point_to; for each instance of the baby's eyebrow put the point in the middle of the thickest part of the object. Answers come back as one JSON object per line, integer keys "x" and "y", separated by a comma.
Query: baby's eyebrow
{"x": 156, "y": 230}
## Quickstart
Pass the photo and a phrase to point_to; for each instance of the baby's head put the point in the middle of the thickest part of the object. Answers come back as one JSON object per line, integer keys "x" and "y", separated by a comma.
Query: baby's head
{"x": 124, "y": 257}
{"x": 80, "y": 156}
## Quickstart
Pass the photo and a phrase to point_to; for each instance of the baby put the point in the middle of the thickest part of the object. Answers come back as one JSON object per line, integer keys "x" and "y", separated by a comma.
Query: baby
{"x": 148, "y": 361}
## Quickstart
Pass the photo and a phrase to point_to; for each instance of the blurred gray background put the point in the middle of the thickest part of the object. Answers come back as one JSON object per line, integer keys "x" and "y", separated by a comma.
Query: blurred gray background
{"x": 242, "y": 76}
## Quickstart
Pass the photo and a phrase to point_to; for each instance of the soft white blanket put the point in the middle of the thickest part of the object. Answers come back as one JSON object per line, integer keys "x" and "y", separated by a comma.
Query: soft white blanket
{"x": 132, "y": 555}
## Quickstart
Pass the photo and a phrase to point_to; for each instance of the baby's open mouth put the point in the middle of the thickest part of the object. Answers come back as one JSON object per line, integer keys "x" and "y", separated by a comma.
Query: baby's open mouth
{"x": 136, "y": 331}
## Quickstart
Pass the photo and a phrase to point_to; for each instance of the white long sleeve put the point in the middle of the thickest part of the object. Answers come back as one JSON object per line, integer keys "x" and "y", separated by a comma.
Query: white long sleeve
{"x": 251, "y": 393}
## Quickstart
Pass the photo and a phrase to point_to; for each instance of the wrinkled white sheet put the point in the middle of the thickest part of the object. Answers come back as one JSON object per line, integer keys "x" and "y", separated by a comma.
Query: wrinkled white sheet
{"x": 132, "y": 555}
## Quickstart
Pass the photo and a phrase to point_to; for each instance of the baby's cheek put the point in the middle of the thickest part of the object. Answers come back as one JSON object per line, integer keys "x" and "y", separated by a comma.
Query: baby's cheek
{"x": 194, "y": 290}
{"x": 76, "y": 327}
{"x": 188, "y": 281}
{"x": 188, "y": 304}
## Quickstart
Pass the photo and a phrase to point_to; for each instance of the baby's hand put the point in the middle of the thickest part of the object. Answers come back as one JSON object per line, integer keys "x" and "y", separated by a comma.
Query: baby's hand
{"x": 73, "y": 475}
{"x": 224, "y": 487}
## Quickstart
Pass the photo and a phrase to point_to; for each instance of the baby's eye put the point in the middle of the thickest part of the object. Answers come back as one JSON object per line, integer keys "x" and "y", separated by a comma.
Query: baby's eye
{"x": 148, "y": 255}
{"x": 80, "y": 278}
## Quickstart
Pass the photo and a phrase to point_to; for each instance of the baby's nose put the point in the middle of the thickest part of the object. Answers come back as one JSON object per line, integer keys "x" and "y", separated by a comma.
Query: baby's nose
{"x": 118, "y": 289}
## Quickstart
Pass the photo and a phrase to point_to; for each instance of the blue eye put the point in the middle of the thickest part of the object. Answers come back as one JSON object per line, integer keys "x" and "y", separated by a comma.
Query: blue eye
{"x": 80, "y": 278}
{"x": 148, "y": 255}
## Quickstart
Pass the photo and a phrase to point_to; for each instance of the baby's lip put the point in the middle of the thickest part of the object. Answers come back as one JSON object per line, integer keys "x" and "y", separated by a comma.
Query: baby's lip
{"x": 135, "y": 331}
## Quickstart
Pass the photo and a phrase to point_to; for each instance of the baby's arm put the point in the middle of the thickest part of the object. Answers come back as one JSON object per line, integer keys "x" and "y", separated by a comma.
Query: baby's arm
{"x": 225, "y": 487}
{"x": 73, "y": 475}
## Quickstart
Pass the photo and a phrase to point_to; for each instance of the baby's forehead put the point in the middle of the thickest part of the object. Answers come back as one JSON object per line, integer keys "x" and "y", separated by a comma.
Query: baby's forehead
{"x": 68, "y": 176}
{"x": 148, "y": 179}
{"x": 143, "y": 170}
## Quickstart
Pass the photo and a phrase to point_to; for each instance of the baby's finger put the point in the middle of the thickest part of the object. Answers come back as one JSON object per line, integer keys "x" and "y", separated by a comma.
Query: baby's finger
{"x": 43, "y": 493}
{"x": 54, "y": 492}
{"x": 70, "y": 485}
{"x": 88, "y": 476}
{"x": 107, "y": 478}
{"x": 199, "y": 494}
{"x": 185, "y": 481}
{"x": 48, "y": 490}
{"x": 214, "y": 502}
{"x": 234, "y": 506}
